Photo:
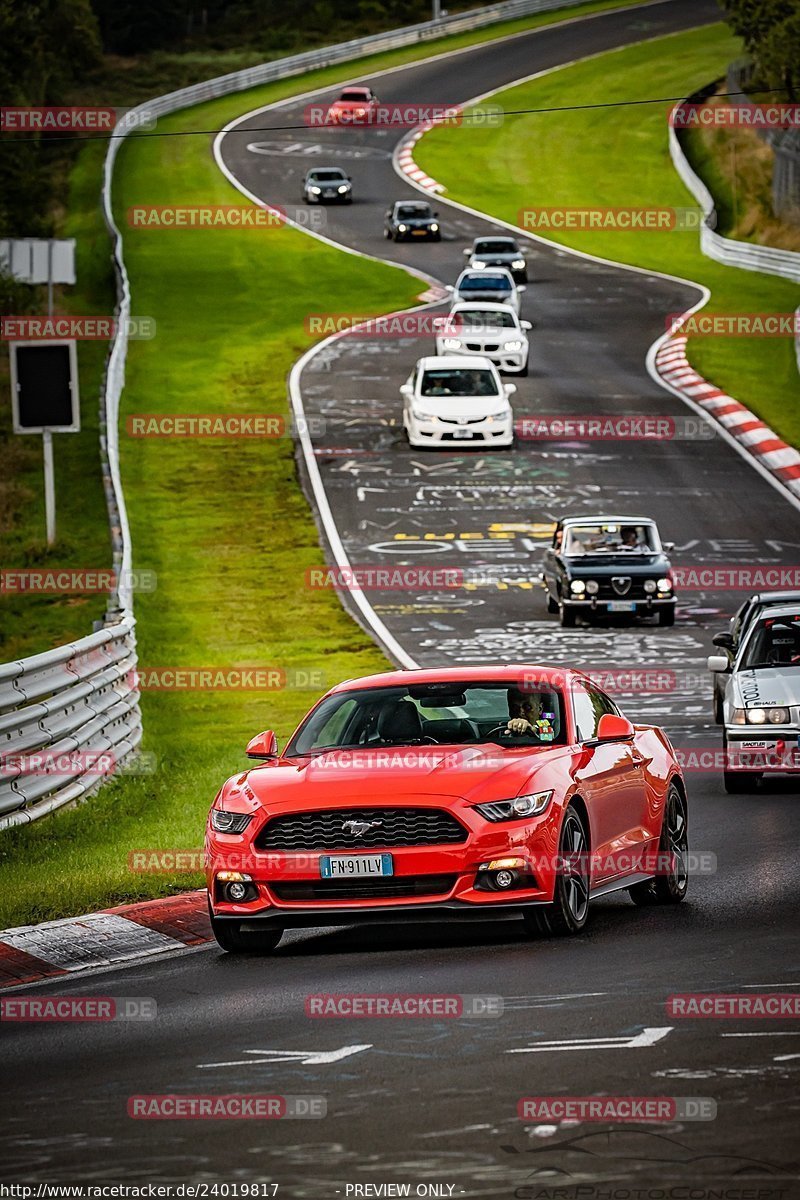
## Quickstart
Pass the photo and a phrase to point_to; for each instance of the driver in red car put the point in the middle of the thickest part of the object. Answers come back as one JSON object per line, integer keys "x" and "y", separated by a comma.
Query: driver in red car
{"x": 528, "y": 714}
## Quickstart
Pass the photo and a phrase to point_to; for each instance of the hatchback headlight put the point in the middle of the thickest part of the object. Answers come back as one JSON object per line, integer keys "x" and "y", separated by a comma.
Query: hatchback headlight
{"x": 766, "y": 716}
{"x": 578, "y": 587}
{"x": 315, "y": 191}
{"x": 516, "y": 809}
{"x": 402, "y": 228}
{"x": 434, "y": 227}
{"x": 345, "y": 187}
{"x": 229, "y": 822}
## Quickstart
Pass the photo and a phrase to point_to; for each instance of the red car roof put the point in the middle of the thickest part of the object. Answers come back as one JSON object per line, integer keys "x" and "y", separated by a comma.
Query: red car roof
{"x": 555, "y": 676}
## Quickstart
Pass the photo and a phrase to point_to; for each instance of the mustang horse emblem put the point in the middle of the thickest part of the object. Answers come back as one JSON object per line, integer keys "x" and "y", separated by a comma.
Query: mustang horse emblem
{"x": 359, "y": 828}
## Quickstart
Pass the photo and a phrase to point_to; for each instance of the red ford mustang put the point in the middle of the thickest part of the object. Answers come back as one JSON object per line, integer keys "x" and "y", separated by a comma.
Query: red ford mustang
{"x": 355, "y": 106}
{"x": 492, "y": 791}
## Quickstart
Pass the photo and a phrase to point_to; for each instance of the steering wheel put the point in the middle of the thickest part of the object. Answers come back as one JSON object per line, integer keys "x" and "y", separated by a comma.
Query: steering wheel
{"x": 504, "y": 731}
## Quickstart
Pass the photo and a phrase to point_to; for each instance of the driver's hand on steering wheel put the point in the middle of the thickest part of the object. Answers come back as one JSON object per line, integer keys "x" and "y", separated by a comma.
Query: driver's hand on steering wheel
{"x": 519, "y": 725}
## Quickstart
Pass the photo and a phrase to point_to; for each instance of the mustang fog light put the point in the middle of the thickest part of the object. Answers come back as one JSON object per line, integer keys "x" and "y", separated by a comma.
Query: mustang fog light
{"x": 235, "y": 886}
{"x": 236, "y": 891}
{"x": 650, "y": 585}
{"x": 592, "y": 587}
{"x": 578, "y": 587}
{"x": 505, "y": 879}
{"x": 500, "y": 874}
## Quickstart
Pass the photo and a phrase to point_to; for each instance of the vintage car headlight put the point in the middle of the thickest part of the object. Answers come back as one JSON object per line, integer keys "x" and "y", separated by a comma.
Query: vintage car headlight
{"x": 516, "y": 809}
{"x": 649, "y": 586}
{"x": 451, "y": 343}
{"x": 518, "y": 264}
{"x": 578, "y": 587}
{"x": 315, "y": 191}
{"x": 592, "y": 587}
{"x": 665, "y": 585}
{"x": 515, "y": 345}
{"x": 229, "y": 822}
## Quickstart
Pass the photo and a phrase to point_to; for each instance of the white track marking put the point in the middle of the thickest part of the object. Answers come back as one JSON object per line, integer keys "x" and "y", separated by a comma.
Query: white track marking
{"x": 307, "y": 1058}
{"x": 648, "y": 1037}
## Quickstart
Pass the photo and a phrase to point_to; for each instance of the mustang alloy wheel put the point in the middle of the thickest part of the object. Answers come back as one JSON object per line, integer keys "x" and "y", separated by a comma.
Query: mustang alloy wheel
{"x": 671, "y": 883}
{"x": 570, "y": 908}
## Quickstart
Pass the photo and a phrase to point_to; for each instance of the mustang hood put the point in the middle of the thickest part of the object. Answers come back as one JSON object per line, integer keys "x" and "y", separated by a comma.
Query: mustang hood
{"x": 394, "y": 775}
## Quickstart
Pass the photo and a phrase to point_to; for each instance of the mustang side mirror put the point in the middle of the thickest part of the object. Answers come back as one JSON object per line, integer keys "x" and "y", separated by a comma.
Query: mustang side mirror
{"x": 612, "y": 728}
{"x": 724, "y": 639}
{"x": 718, "y": 663}
{"x": 263, "y": 745}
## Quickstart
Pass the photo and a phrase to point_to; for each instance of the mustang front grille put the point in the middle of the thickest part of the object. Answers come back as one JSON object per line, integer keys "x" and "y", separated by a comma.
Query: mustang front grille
{"x": 365, "y": 889}
{"x": 361, "y": 829}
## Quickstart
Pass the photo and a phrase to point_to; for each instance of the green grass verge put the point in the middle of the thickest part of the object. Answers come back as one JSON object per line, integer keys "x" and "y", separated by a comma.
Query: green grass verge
{"x": 620, "y": 158}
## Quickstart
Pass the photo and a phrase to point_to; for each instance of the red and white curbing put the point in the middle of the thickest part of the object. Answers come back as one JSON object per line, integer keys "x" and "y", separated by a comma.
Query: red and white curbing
{"x": 102, "y": 939}
{"x": 405, "y": 160}
{"x": 782, "y": 460}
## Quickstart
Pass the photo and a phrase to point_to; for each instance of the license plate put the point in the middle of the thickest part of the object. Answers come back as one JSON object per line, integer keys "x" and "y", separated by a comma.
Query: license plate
{"x": 329, "y": 195}
{"x": 462, "y": 433}
{"x": 622, "y": 606}
{"x": 353, "y": 866}
{"x": 419, "y": 232}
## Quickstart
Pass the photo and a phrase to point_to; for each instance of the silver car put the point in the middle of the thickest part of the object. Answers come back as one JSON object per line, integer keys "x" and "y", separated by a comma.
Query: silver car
{"x": 761, "y": 699}
{"x": 327, "y": 185}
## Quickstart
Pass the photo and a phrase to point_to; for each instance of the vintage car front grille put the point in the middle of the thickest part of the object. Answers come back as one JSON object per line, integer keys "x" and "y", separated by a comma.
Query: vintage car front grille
{"x": 388, "y": 827}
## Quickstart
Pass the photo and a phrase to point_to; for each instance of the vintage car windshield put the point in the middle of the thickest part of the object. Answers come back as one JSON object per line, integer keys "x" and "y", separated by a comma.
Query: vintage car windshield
{"x": 461, "y": 382}
{"x": 610, "y": 538}
{"x": 479, "y": 321}
{"x": 773, "y": 642}
{"x": 437, "y": 714}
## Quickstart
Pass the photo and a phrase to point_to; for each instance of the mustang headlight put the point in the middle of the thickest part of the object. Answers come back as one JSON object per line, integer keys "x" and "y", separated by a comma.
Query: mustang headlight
{"x": 518, "y": 264}
{"x": 578, "y": 587}
{"x": 516, "y": 809}
{"x": 229, "y": 822}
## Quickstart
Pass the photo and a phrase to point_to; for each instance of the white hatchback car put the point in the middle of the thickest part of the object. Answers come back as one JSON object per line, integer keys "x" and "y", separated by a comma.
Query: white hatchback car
{"x": 457, "y": 398}
{"x": 493, "y": 331}
{"x": 494, "y": 283}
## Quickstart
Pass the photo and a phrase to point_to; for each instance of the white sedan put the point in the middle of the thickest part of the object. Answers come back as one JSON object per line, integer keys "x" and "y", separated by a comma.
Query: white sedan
{"x": 493, "y": 331}
{"x": 457, "y": 398}
{"x": 495, "y": 284}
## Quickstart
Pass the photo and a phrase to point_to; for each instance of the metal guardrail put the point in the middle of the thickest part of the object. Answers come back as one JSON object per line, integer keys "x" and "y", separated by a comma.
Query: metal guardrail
{"x": 82, "y": 699}
{"x": 747, "y": 255}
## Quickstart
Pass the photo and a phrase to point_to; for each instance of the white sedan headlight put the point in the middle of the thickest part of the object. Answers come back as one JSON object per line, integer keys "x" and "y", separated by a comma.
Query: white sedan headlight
{"x": 515, "y": 345}
{"x": 477, "y": 265}
{"x": 518, "y": 264}
{"x": 451, "y": 343}
{"x": 764, "y": 716}
{"x": 422, "y": 416}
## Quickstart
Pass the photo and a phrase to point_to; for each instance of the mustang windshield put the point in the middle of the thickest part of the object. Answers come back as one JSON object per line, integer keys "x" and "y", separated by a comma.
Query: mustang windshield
{"x": 610, "y": 539}
{"x": 774, "y": 642}
{"x": 436, "y": 714}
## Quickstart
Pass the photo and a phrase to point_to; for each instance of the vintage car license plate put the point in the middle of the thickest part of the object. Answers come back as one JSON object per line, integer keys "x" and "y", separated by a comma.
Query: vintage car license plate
{"x": 622, "y": 606}
{"x": 354, "y": 866}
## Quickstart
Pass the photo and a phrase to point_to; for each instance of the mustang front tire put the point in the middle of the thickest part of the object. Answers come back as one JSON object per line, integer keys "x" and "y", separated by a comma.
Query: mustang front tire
{"x": 568, "y": 913}
{"x": 231, "y": 939}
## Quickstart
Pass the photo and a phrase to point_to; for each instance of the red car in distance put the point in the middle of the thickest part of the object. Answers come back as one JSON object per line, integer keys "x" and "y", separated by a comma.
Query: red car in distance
{"x": 481, "y": 792}
{"x": 355, "y": 106}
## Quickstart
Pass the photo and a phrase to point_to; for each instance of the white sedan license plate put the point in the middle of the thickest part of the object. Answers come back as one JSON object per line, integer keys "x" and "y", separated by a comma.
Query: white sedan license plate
{"x": 355, "y": 866}
{"x": 462, "y": 433}
{"x": 622, "y": 606}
